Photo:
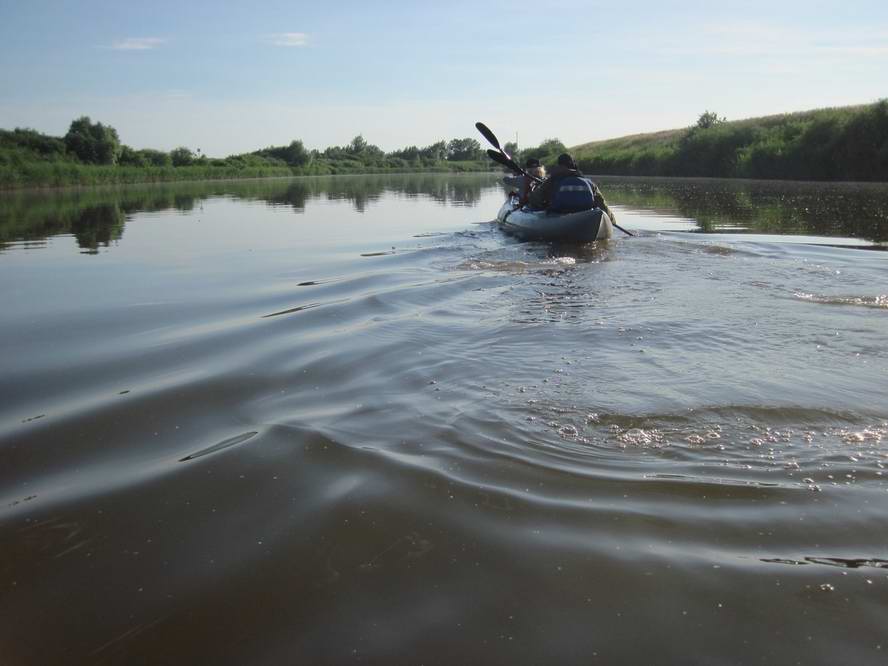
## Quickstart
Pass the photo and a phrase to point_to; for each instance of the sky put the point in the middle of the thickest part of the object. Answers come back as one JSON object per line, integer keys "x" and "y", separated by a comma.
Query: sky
{"x": 230, "y": 77}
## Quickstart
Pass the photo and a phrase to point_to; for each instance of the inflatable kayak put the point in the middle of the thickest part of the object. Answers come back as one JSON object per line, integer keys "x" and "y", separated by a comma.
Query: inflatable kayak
{"x": 540, "y": 225}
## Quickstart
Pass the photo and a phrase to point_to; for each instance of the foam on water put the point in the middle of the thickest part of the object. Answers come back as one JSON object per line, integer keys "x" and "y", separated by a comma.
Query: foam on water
{"x": 879, "y": 301}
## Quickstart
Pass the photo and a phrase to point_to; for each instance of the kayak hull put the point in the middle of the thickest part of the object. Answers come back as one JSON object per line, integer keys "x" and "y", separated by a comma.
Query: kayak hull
{"x": 540, "y": 225}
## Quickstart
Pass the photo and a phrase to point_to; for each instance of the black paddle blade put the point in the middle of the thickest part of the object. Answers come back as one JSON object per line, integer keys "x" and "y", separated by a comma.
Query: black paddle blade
{"x": 490, "y": 136}
{"x": 625, "y": 231}
{"x": 500, "y": 158}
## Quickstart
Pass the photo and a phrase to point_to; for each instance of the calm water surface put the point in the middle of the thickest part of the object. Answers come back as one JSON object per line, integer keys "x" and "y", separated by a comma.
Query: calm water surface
{"x": 346, "y": 420}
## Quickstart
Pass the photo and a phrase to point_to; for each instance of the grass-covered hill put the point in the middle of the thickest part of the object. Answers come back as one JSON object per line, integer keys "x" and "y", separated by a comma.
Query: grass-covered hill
{"x": 845, "y": 143}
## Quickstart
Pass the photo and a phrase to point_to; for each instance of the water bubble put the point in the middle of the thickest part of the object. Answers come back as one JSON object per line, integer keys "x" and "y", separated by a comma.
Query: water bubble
{"x": 568, "y": 431}
{"x": 642, "y": 437}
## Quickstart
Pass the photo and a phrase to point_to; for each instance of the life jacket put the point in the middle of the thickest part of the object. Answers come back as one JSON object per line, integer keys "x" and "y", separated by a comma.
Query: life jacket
{"x": 571, "y": 195}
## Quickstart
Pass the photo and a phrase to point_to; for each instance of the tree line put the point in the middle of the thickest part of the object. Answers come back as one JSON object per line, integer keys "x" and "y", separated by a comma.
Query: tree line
{"x": 91, "y": 145}
{"x": 849, "y": 143}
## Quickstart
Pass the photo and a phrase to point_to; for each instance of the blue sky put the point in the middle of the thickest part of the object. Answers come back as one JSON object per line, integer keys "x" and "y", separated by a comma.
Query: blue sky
{"x": 229, "y": 77}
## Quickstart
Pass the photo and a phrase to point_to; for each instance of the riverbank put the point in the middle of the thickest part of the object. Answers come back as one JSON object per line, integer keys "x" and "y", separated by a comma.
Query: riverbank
{"x": 67, "y": 174}
{"x": 836, "y": 144}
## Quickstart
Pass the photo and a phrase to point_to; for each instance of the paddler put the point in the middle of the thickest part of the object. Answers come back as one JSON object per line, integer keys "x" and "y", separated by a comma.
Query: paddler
{"x": 544, "y": 194}
{"x": 534, "y": 169}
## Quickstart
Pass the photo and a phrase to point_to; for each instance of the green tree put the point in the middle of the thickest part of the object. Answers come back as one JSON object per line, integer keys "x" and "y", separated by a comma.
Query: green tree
{"x": 435, "y": 152}
{"x": 182, "y": 156}
{"x": 130, "y": 157}
{"x": 464, "y": 149}
{"x": 334, "y": 152}
{"x": 155, "y": 157}
{"x": 293, "y": 154}
{"x": 410, "y": 153}
{"x": 709, "y": 119}
{"x": 511, "y": 148}
{"x": 357, "y": 146}
{"x": 296, "y": 154}
{"x": 92, "y": 143}
{"x": 372, "y": 152}
{"x": 32, "y": 141}
{"x": 547, "y": 152}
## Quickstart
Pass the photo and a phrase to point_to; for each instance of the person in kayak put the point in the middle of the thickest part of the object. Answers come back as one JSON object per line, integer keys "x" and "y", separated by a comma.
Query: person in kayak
{"x": 534, "y": 169}
{"x": 565, "y": 175}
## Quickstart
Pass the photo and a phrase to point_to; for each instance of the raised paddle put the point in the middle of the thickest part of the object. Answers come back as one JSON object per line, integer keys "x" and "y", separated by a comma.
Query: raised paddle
{"x": 505, "y": 161}
{"x": 509, "y": 163}
{"x": 490, "y": 136}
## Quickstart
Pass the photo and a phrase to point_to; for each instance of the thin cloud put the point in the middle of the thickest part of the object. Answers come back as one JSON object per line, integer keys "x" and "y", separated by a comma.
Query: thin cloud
{"x": 289, "y": 39}
{"x": 137, "y": 43}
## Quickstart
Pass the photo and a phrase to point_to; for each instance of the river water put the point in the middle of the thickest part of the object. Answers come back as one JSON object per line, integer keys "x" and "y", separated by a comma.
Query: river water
{"x": 347, "y": 420}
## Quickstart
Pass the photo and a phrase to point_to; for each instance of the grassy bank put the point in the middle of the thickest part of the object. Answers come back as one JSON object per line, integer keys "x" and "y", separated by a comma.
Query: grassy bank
{"x": 61, "y": 174}
{"x": 58, "y": 174}
{"x": 848, "y": 143}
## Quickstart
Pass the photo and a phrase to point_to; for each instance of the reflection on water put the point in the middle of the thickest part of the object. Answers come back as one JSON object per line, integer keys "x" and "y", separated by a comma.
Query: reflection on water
{"x": 822, "y": 209}
{"x": 97, "y": 216}
{"x": 347, "y": 420}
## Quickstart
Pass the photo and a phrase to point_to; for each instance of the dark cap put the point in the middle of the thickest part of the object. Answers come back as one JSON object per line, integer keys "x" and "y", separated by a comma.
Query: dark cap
{"x": 566, "y": 160}
{"x": 532, "y": 162}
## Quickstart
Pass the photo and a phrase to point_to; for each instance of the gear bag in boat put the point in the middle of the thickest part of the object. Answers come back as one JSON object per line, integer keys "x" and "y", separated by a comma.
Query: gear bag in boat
{"x": 572, "y": 194}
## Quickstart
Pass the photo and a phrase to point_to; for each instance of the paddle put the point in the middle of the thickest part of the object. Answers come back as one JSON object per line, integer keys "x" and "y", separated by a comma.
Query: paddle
{"x": 490, "y": 136}
{"x": 501, "y": 158}
{"x": 622, "y": 229}
{"x": 506, "y": 162}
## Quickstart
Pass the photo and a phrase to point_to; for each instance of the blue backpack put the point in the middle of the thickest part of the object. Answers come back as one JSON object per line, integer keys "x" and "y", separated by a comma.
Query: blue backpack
{"x": 572, "y": 194}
